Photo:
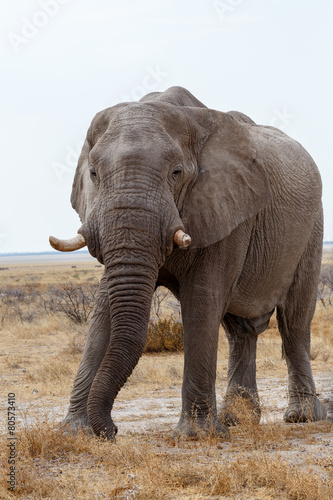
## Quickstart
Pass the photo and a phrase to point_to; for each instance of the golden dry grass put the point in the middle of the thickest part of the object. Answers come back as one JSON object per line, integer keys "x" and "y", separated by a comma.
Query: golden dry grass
{"x": 38, "y": 362}
{"x": 257, "y": 463}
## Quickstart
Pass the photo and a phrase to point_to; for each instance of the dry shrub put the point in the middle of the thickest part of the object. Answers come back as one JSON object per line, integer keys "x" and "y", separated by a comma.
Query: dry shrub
{"x": 165, "y": 335}
{"x": 29, "y": 302}
{"x": 19, "y": 303}
{"x": 45, "y": 439}
{"x": 75, "y": 300}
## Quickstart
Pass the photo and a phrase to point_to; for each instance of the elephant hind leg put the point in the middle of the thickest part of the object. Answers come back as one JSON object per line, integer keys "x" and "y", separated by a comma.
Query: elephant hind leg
{"x": 294, "y": 317}
{"x": 242, "y": 336}
{"x": 304, "y": 405}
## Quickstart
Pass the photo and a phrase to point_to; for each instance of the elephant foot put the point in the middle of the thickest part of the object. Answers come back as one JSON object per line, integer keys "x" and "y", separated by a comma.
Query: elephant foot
{"x": 307, "y": 409}
{"x": 74, "y": 422}
{"x": 239, "y": 408}
{"x": 196, "y": 429}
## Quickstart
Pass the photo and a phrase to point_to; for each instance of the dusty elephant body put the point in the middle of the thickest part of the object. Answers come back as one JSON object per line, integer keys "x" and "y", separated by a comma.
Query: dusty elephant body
{"x": 250, "y": 199}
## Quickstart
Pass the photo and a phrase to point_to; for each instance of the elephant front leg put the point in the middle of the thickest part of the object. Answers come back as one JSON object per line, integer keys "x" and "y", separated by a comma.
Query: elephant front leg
{"x": 201, "y": 328}
{"x": 96, "y": 344}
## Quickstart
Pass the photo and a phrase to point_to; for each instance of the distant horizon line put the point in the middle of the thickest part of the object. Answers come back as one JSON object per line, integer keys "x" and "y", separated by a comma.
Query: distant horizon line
{"x": 53, "y": 252}
{"x": 46, "y": 252}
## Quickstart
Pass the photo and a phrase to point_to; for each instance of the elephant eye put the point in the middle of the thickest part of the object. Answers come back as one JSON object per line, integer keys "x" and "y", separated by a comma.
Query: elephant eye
{"x": 177, "y": 171}
{"x": 92, "y": 171}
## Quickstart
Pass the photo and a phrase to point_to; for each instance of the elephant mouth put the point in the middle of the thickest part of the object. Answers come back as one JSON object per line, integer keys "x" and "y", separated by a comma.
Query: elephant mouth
{"x": 181, "y": 239}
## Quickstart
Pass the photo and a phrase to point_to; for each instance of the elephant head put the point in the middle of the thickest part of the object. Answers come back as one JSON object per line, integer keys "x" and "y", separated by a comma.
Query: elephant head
{"x": 149, "y": 175}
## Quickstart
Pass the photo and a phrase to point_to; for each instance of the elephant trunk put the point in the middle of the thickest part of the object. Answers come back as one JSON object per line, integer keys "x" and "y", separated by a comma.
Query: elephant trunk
{"x": 132, "y": 241}
{"x": 132, "y": 236}
{"x": 130, "y": 291}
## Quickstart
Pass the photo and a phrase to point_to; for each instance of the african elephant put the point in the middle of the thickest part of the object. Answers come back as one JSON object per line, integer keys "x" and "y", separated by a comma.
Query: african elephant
{"x": 227, "y": 215}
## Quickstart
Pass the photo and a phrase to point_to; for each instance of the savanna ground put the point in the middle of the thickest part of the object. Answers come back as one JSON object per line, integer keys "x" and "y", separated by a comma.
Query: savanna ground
{"x": 40, "y": 350}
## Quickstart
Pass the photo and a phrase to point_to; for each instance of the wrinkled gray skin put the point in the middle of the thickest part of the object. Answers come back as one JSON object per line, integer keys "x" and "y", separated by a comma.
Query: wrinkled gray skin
{"x": 250, "y": 198}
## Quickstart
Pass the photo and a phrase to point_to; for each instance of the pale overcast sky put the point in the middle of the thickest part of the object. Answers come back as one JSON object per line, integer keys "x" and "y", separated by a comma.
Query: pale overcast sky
{"x": 64, "y": 60}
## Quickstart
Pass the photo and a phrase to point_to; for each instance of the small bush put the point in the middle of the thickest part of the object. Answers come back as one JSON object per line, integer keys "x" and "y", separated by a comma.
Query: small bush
{"x": 164, "y": 335}
{"x": 75, "y": 300}
{"x": 19, "y": 303}
{"x": 27, "y": 303}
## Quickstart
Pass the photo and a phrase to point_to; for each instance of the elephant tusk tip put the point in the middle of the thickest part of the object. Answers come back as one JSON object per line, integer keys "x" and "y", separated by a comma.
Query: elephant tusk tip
{"x": 182, "y": 239}
{"x": 54, "y": 242}
{"x": 186, "y": 241}
{"x": 67, "y": 245}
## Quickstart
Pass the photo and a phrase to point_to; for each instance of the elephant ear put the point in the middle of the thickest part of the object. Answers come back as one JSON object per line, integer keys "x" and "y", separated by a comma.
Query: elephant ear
{"x": 232, "y": 184}
{"x": 83, "y": 190}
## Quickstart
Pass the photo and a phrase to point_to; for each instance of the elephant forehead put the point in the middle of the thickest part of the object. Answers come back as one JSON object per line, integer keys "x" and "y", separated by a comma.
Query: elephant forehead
{"x": 154, "y": 112}
{"x": 138, "y": 117}
{"x": 135, "y": 146}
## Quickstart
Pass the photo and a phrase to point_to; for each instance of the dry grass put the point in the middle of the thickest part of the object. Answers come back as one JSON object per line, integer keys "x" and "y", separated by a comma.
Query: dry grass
{"x": 158, "y": 370}
{"x": 271, "y": 460}
{"x": 256, "y": 462}
{"x": 51, "y": 274}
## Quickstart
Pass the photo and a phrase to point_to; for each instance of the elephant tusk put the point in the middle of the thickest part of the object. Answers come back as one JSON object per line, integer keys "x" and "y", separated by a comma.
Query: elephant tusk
{"x": 68, "y": 245}
{"x": 182, "y": 239}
